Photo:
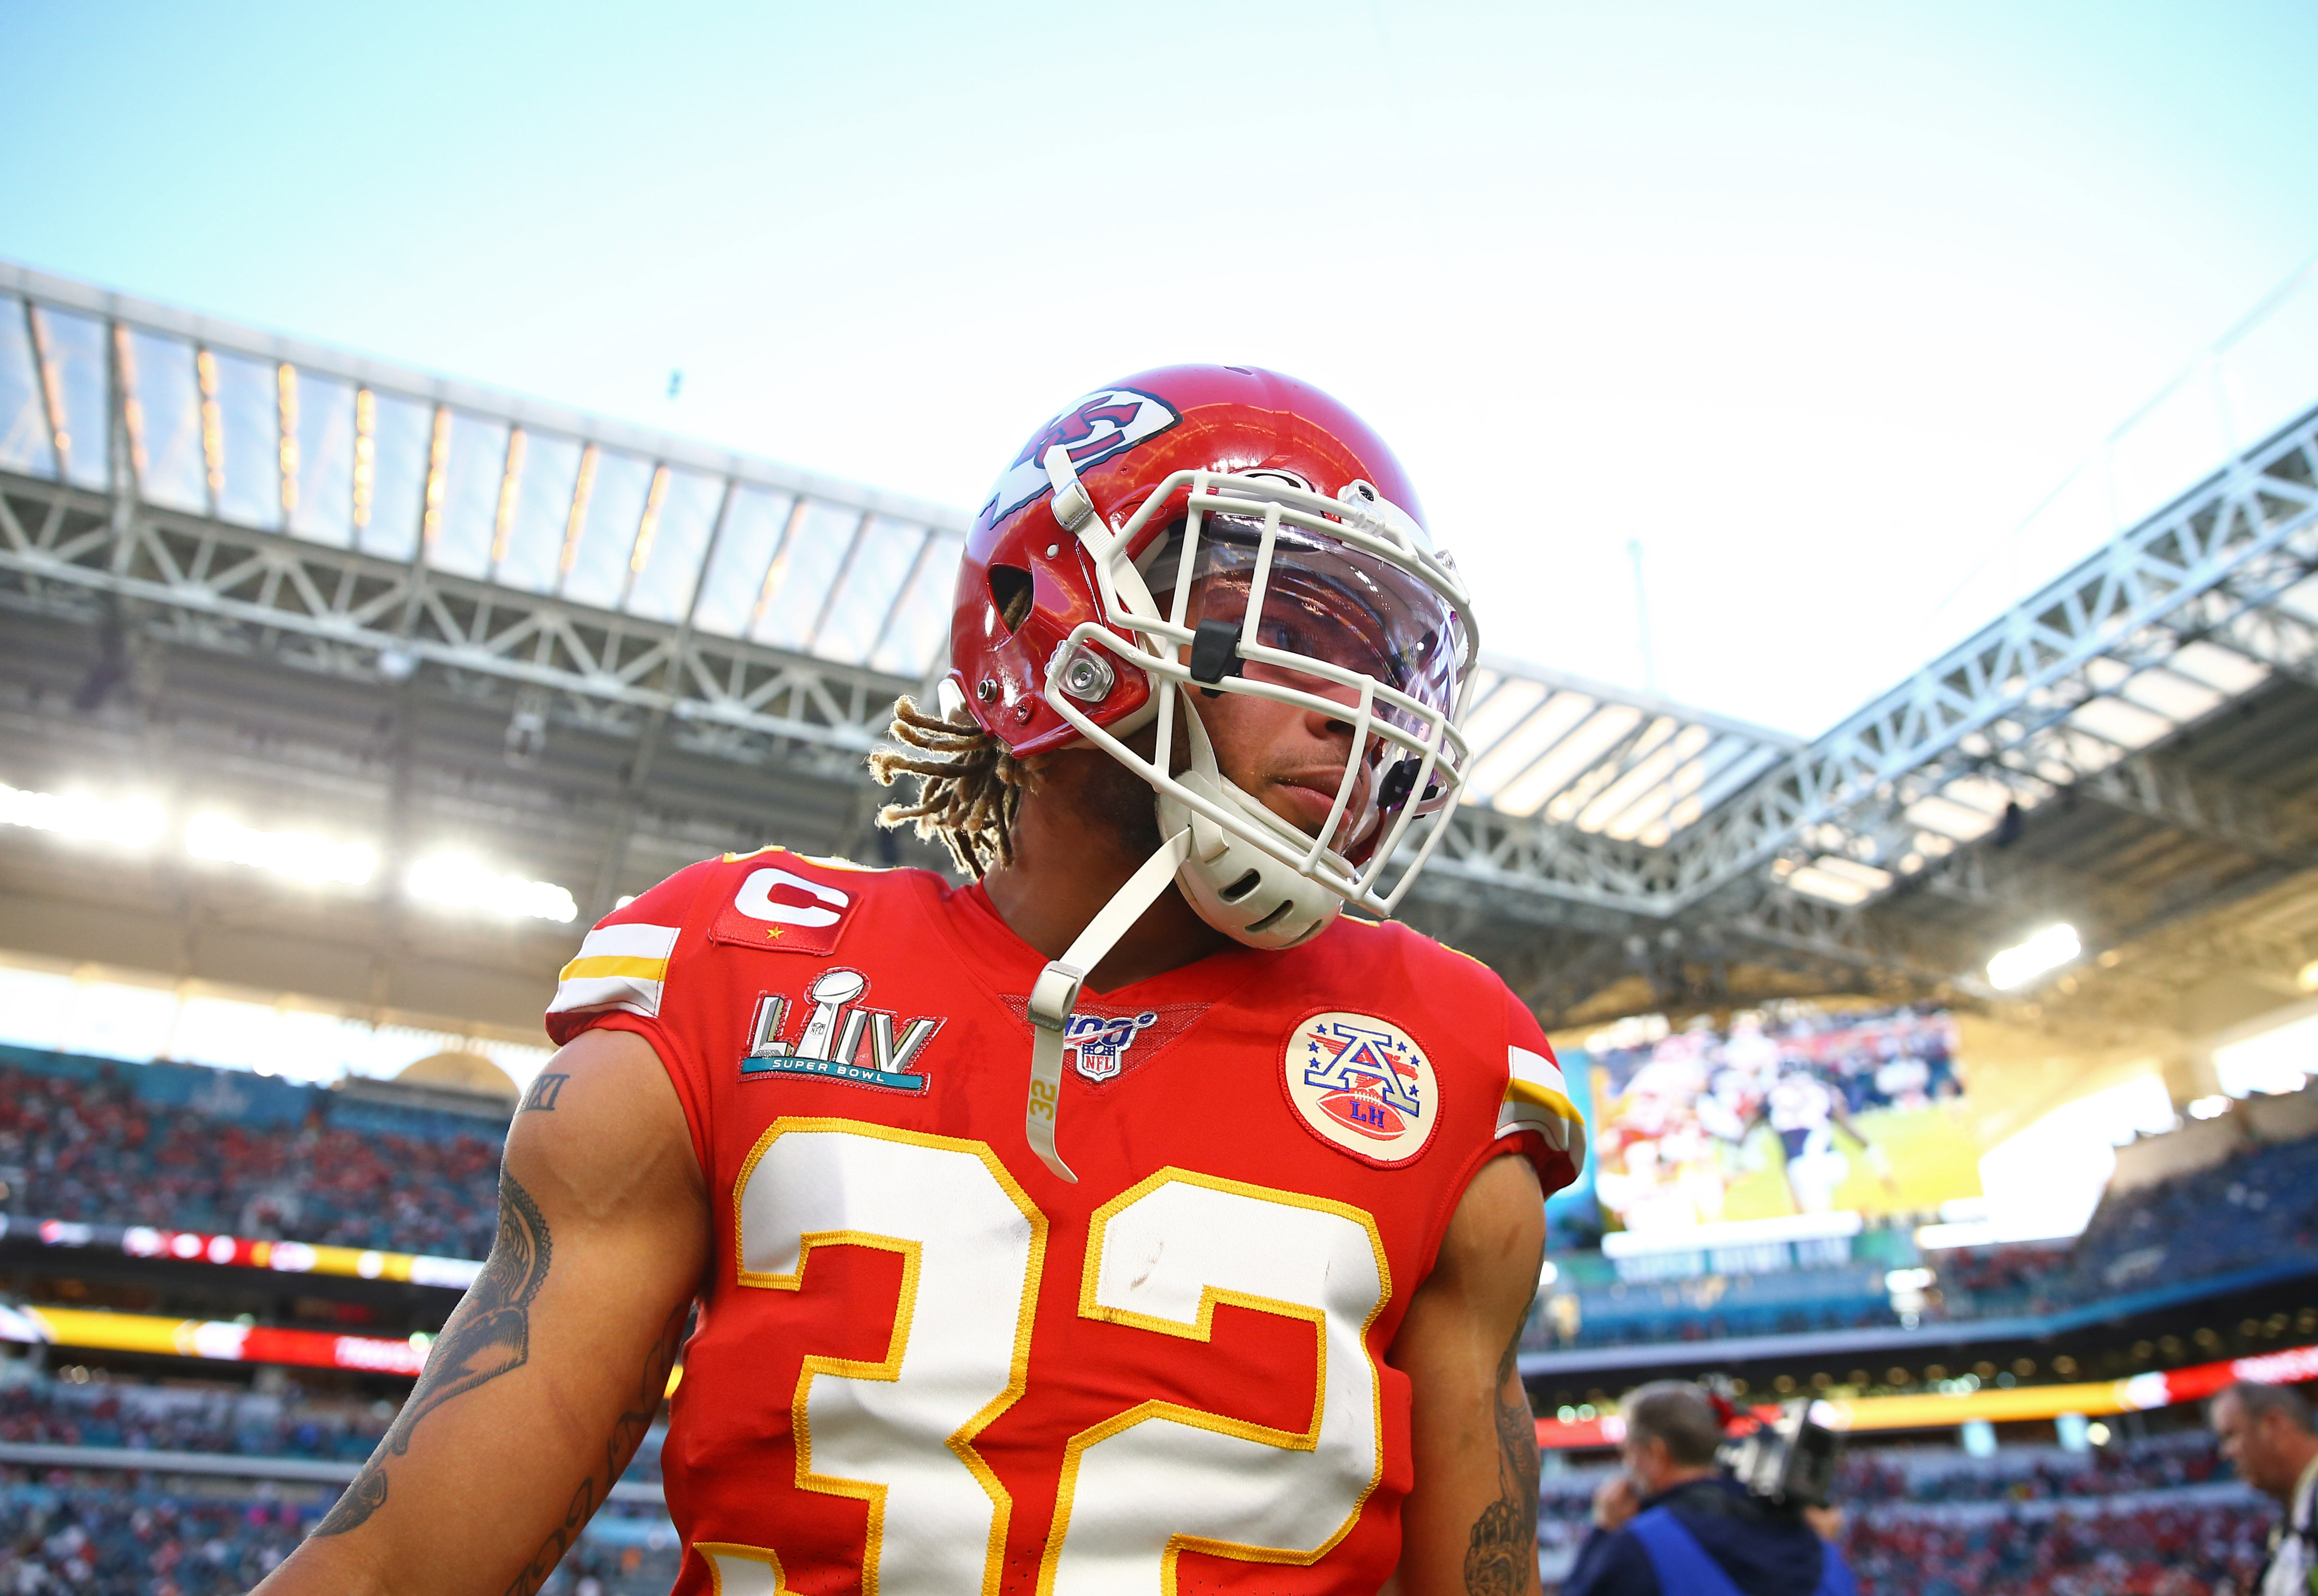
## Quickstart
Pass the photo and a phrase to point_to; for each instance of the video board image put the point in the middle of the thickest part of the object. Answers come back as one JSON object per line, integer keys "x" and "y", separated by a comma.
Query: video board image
{"x": 1793, "y": 1111}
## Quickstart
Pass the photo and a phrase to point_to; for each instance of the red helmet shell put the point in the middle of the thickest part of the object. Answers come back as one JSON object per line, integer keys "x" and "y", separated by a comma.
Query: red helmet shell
{"x": 1124, "y": 440}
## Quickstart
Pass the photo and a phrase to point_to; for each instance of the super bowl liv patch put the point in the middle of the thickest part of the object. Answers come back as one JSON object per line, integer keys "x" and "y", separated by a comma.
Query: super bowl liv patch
{"x": 1361, "y": 1085}
{"x": 837, "y": 1039}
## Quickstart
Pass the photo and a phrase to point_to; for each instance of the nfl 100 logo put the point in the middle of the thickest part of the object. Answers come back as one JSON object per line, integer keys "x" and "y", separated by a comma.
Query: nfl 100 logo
{"x": 1100, "y": 1042}
{"x": 1362, "y": 1085}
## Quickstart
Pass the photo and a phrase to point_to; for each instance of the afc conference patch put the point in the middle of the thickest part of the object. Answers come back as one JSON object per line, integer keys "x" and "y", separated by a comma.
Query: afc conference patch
{"x": 1361, "y": 1085}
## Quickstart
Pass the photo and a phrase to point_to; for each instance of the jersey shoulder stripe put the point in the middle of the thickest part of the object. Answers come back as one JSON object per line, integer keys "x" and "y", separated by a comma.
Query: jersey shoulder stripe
{"x": 1536, "y": 1098}
{"x": 618, "y": 966}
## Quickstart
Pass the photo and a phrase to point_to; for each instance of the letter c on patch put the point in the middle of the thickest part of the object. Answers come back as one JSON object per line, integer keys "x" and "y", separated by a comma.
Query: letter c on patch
{"x": 754, "y": 900}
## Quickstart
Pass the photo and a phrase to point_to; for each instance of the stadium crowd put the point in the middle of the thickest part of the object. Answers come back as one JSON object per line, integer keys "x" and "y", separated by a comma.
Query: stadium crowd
{"x": 144, "y": 1418}
{"x": 2033, "y": 1474}
{"x": 2255, "y": 1207}
{"x": 57, "y": 1536}
{"x": 95, "y": 1152}
{"x": 2160, "y": 1516}
{"x": 2179, "y": 1549}
{"x": 130, "y": 1538}
{"x": 1995, "y": 1279}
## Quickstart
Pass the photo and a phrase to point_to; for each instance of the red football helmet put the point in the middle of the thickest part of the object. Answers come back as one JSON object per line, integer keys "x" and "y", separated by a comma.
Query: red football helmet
{"x": 1232, "y": 530}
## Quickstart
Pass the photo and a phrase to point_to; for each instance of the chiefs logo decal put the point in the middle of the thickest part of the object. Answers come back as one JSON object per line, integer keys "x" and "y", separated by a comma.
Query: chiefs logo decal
{"x": 1361, "y": 1085}
{"x": 1097, "y": 427}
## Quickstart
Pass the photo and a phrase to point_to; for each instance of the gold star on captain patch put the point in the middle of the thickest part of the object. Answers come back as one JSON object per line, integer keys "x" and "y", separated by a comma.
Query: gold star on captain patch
{"x": 773, "y": 934}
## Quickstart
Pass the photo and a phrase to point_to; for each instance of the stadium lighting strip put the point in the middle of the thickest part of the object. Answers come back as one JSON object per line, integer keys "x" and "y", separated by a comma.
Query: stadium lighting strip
{"x": 2040, "y": 954}
{"x": 292, "y": 1258}
{"x": 225, "y": 1341}
{"x": 445, "y": 880}
{"x": 131, "y": 823}
{"x": 1940, "y": 1410}
{"x": 298, "y": 855}
{"x": 456, "y": 881}
{"x": 214, "y": 1340}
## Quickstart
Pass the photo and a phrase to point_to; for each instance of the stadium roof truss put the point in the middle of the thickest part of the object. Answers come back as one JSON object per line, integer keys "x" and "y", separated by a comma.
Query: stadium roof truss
{"x": 272, "y": 499}
{"x": 260, "y": 491}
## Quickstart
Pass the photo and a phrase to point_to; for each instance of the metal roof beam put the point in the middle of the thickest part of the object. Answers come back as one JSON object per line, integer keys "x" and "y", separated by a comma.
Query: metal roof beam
{"x": 2212, "y": 560}
{"x": 2208, "y": 805}
{"x": 253, "y": 592}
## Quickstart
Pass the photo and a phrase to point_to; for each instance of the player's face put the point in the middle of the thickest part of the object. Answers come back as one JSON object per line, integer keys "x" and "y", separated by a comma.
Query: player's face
{"x": 1340, "y": 610}
{"x": 1290, "y": 758}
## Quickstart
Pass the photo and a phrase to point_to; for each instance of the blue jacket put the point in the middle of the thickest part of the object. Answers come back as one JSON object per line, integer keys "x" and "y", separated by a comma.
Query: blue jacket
{"x": 1761, "y": 1550}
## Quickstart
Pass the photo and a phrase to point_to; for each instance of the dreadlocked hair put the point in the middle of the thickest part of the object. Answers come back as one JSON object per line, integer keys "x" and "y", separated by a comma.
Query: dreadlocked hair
{"x": 970, "y": 786}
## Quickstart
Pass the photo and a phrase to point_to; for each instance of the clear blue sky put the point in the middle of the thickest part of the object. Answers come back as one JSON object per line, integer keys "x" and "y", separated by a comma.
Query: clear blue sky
{"x": 1817, "y": 301}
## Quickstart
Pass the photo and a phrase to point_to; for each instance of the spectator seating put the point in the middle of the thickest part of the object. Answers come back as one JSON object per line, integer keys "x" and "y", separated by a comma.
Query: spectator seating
{"x": 64, "y": 1531}
{"x": 1711, "y": 1308}
{"x": 119, "y": 1414}
{"x": 2254, "y": 1208}
{"x": 172, "y": 1530}
{"x": 176, "y": 1147}
{"x": 2158, "y": 1517}
{"x": 2185, "y": 1548}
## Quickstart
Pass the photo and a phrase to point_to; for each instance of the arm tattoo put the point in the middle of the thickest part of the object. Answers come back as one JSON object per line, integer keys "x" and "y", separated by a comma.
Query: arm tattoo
{"x": 544, "y": 1092}
{"x": 1500, "y": 1558}
{"x": 628, "y": 1434}
{"x": 488, "y": 1335}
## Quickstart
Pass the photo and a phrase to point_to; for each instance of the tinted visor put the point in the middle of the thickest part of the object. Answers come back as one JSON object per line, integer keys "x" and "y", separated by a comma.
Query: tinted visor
{"x": 1328, "y": 605}
{"x": 1329, "y": 602}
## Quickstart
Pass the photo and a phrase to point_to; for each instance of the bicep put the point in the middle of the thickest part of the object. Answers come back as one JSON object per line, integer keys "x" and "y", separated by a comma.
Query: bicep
{"x": 1469, "y": 1523}
{"x": 549, "y": 1372}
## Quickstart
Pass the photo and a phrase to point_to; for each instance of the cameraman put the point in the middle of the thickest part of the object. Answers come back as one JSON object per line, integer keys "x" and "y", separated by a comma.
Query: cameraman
{"x": 1674, "y": 1524}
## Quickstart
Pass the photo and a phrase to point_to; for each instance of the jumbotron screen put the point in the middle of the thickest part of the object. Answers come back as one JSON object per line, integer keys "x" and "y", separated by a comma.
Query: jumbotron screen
{"x": 1796, "y": 1109}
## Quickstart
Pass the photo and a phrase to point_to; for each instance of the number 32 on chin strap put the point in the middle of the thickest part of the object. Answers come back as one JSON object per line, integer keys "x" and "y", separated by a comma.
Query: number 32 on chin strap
{"x": 1136, "y": 1489}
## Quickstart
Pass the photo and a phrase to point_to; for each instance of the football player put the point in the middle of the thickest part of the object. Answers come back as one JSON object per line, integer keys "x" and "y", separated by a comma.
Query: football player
{"x": 1229, "y": 1303}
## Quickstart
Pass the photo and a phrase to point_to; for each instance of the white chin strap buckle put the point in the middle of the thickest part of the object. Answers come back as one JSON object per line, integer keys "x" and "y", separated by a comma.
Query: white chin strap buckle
{"x": 1056, "y": 992}
{"x": 1052, "y": 1000}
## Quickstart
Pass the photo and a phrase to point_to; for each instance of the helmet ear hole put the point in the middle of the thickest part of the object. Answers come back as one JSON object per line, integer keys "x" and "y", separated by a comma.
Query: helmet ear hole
{"x": 1273, "y": 918}
{"x": 1010, "y": 595}
{"x": 1241, "y": 888}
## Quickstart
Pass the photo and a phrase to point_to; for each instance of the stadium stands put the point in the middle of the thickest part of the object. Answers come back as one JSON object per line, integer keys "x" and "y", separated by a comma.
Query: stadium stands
{"x": 2181, "y": 1548}
{"x": 100, "y": 1528}
{"x": 171, "y": 1145}
{"x": 59, "y": 1536}
{"x": 2256, "y": 1207}
{"x": 62, "y": 1531}
{"x": 1715, "y": 1306}
{"x": 213, "y": 1419}
{"x": 2154, "y": 1517}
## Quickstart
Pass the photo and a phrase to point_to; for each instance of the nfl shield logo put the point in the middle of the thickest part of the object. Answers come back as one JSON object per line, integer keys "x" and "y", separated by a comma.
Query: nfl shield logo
{"x": 1100, "y": 1043}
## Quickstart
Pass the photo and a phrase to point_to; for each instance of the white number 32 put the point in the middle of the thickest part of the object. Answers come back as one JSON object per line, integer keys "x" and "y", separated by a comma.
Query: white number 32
{"x": 1136, "y": 1489}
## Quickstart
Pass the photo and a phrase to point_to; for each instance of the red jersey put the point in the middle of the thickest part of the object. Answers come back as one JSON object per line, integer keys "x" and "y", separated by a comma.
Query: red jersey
{"x": 924, "y": 1365}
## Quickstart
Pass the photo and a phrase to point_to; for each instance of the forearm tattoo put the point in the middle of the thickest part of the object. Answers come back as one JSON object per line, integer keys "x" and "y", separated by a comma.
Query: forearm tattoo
{"x": 628, "y": 1434}
{"x": 488, "y": 1335}
{"x": 1501, "y": 1557}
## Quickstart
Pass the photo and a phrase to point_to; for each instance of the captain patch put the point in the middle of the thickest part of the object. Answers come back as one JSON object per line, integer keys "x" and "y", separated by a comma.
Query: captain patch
{"x": 779, "y": 910}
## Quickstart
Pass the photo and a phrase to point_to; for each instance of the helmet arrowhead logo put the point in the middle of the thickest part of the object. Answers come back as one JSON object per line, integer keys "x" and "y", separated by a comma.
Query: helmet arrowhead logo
{"x": 1108, "y": 421}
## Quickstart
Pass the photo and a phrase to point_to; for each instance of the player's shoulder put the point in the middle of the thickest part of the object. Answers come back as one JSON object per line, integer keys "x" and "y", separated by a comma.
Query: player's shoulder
{"x": 656, "y": 945}
{"x": 773, "y": 866}
{"x": 1389, "y": 946}
{"x": 774, "y": 884}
